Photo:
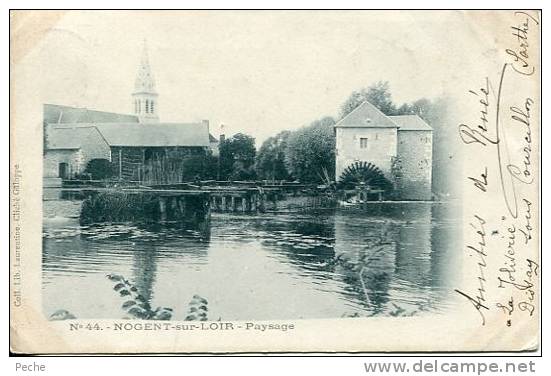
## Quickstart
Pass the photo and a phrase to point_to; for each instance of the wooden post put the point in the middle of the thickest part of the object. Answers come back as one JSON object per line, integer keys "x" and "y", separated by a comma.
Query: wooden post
{"x": 120, "y": 163}
{"x": 262, "y": 204}
{"x": 206, "y": 207}
{"x": 223, "y": 203}
{"x": 204, "y": 222}
{"x": 274, "y": 199}
{"x": 175, "y": 208}
{"x": 253, "y": 202}
{"x": 162, "y": 208}
{"x": 213, "y": 202}
{"x": 182, "y": 206}
{"x": 244, "y": 203}
{"x": 232, "y": 203}
{"x": 143, "y": 166}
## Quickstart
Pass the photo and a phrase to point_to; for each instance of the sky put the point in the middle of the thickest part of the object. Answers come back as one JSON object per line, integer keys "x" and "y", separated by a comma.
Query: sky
{"x": 257, "y": 72}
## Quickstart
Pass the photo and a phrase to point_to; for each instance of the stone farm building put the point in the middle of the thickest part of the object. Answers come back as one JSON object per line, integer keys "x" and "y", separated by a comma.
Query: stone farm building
{"x": 138, "y": 146}
{"x": 381, "y": 148}
{"x": 130, "y": 147}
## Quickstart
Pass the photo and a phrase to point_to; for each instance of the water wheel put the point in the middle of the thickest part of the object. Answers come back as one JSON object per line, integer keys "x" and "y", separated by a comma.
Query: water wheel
{"x": 364, "y": 173}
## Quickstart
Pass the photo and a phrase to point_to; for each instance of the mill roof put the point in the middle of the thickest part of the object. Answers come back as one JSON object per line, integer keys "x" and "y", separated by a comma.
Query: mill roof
{"x": 410, "y": 123}
{"x": 366, "y": 115}
{"x": 144, "y": 135}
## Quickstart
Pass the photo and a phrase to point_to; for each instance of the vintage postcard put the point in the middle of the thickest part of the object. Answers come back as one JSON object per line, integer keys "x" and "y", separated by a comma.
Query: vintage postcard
{"x": 274, "y": 181}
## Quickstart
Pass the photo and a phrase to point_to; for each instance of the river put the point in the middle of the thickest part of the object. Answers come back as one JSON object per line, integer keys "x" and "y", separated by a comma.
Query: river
{"x": 380, "y": 259}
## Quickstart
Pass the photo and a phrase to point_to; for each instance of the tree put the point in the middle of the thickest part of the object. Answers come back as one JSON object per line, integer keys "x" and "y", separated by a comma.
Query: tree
{"x": 405, "y": 109}
{"x": 377, "y": 94}
{"x": 424, "y": 108}
{"x": 311, "y": 151}
{"x": 210, "y": 167}
{"x": 99, "y": 169}
{"x": 446, "y": 149}
{"x": 270, "y": 160}
{"x": 237, "y": 156}
{"x": 198, "y": 166}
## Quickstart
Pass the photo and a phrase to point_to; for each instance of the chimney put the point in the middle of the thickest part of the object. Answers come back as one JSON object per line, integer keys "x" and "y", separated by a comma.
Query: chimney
{"x": 206, "y": 123}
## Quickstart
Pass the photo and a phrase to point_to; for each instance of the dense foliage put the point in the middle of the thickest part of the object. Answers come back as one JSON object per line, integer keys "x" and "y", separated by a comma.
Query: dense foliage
{"x": 237, "y": 158}
{"x": 377, "y": 94}
{"x": 99, "y": 169}
{"x": 270, "y": 161}
{"x": 311, "y": 151}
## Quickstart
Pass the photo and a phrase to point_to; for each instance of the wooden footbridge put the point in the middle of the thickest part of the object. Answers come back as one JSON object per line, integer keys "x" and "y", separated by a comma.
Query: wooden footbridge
{"x": 183, "y": 203}
{"x": 228, "y": 199}
{"x": 245, "y": 197}
{"x": 163, "y": 203}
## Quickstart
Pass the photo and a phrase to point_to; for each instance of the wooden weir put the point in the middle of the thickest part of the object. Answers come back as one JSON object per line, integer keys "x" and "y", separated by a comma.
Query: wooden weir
{"x": 172, "y": 204}
{"x": 245, "y": 200}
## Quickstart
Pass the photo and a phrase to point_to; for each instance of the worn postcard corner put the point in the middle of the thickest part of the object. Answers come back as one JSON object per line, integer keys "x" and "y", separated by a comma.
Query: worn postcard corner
{"x": 274, "y": 181}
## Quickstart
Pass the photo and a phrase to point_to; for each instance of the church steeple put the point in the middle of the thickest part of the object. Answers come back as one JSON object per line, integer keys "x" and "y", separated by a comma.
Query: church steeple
{"x": 144, "y": 95}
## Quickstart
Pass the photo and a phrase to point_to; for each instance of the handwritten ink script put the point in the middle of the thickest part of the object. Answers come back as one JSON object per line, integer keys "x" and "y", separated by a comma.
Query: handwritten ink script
{"x": 501, "y": 245}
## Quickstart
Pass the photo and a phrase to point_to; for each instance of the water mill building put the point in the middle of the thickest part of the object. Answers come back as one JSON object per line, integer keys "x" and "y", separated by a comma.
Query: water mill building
{"x": 387, "y": 152}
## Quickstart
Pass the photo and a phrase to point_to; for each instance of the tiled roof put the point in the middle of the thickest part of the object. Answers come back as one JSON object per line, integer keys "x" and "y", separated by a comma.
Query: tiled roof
{"x": 366, "y": 116}
{"x": 54, "y": 114}
{"x": 148, "y": 135}
{"x": 68, "y": 138}
{"x": 410, "y": 123}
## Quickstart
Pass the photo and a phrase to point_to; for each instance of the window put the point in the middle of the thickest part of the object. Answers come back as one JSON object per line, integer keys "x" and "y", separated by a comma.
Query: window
{"x": 363, "y": 143}
{"x": 151, "y": 107}
{"x": 147, "y": 106}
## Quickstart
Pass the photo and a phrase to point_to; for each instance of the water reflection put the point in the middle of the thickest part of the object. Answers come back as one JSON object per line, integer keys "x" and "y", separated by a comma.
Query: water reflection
{"x": 392, "y": 258}
{"x": 144, "y": 270}
{"x": 379, "y": 259}
{"x": 76, "y": 260}
{"x": 307, "y": 240}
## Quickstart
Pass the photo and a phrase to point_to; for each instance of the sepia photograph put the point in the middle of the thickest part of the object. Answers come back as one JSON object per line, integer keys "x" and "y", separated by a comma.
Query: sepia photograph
{"x": 267, "y": 173}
